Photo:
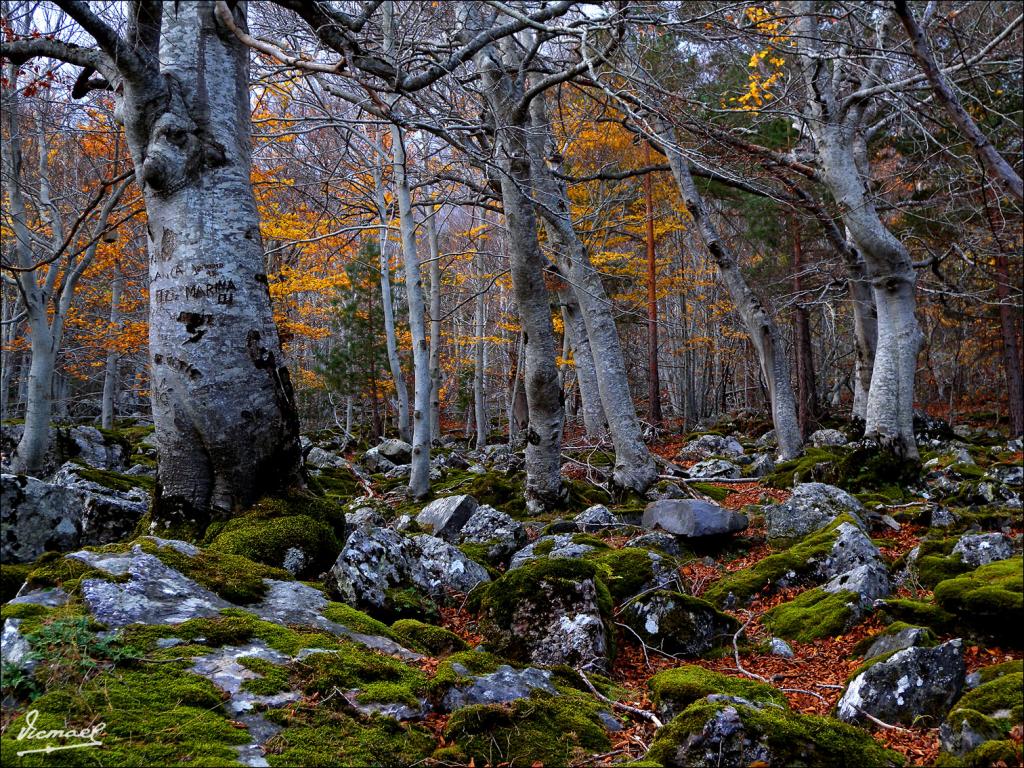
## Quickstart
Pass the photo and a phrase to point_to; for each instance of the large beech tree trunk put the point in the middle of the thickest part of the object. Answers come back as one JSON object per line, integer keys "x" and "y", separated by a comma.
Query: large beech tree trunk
{"x": 113, "y": 356}
{"x": 544, "y": 486}
{"x": 226, "y": 424}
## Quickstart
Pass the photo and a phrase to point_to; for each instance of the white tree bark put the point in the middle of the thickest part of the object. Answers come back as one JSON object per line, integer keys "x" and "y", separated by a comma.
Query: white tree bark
{"x": 889, "y": 411}
{"x": 226, "y": 424}
{"x": 435, "y": 325}
{"x": 419, "y": 477}
{"x": 635, "y": 470}
{"x": 480, "y": 344}
{"x": 390, "y": 338}
{"x": 761, "y": 328}
{"x": 503, "y": 93}
{"x": 109, "y": 397}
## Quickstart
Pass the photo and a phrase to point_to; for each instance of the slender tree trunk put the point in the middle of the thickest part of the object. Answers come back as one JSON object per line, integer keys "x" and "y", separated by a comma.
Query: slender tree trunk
{"x": 994, "y": 163}
{"x": 435, "y": 326}
{"x": 594, "y": 421}
{"x": 35, "y": 440}
{"x": 226, "y": 423}
{"x": 110, "y": 366}
{"x": 635, "y": 470}
{"x": 807, "y": 398}
{"x": 419, "y": 475}
{"x": 760, "y": 327}
{"x": 653, "y": 380}
{"x": 544, "y": 487}
{"x": 1011, "y": 348}
{"x": 479, "y": 369}
{"x": 390, "y": 337}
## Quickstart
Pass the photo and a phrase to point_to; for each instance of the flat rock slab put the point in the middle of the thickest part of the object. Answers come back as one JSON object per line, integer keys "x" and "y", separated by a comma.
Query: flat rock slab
{"x": 692, "y": 518}
{"x": 503, "y": 685}
{"x": 446, "y": 516}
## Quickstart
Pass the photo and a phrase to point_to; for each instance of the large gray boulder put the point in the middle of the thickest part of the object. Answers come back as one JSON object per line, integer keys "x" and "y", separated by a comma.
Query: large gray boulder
{"x": 692, "y": 518}
{"x": 503, "y": 535}
{"x": 376, "y": 462}
{"x": 318, "y": 458}
{"x": 852, "y": 548}
{"x": 712, "y": 445}
{"x": 677, "y": 624}
{"x": 811, "y": 507}
{"x": 153, "y": 593}
{"x": 597, "y": 518}
{"x": 908, "y": 637}
{"x": 911, "y": 684}
{"x": 446, "y": 516}
{"x": 375, "y": 560}
{"x": 395, "y": 451}
{"x": 977, "y": 549}
{"x": 445, "y": 568}
{"x": 824, "y": 438}
{"x": 714, "y": 468}
{"x": 37, "y": 517}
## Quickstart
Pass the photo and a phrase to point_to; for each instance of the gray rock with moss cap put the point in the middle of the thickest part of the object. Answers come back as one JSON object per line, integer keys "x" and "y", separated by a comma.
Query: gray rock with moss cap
{"x": 811, "y": 507}
{"x": 677, "y": 624}
{"x": 910, "y": 684}
{"x": 559, "y": 546}
{"x": 503, "y": 535}
{"x": 446, "y": 516}
{"x": 503, "y": 685}
{"x": 983, "y": 548}
{"x": 692, "y": 518}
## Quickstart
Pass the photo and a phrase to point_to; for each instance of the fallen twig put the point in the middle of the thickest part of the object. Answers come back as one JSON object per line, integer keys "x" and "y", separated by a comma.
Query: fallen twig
{"x": 645, "y": 714}
{"x": 736, "y": 652}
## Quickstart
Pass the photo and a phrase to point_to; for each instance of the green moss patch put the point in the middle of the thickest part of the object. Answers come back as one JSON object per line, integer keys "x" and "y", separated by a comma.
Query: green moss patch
{"x": 988, "y": 600}
{"x": 713, "y": 492}
{"x": 673, "y": 690}
{"x": 792, "y": 739}
{"x": 267, "y": 541}
{"x": 435, "y": 641}
{"x": 157, "y": 715}
{"x": 626, "y": 571}
{"x": 273, "y": 677}
{"x": 357, "y": 621}
{"x": 553, "y": 730}
{"x": 115, "y": 481}
{"x": 801, "y": 558}
{"x": 320, "y": 737}
{"x": 858, "y": 469}
{"x": 377, "y": 677}
{"x": 813, "y": 615}
{"x": 11, "y": 578}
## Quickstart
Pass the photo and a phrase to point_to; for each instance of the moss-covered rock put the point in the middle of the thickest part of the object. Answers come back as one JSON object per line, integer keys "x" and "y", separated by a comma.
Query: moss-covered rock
{"x": 547, "y": 729}
{"x": 859, "y": 468}
{"x": 814, "y": 614}
{"x": 988, "y": 600}
{"x": 270, "y": 541}
{"x": 678, "y": 624}
{"x": 718, "y": 733}
{"x": 435, "y": 641}
{"x": 799, "y": 560}
{"x": 322, "y": 737}
{"x": 156, "y": 715}
{"x": 549, "y": 612}
{"x": 673, "y": 690}
{"x": 273, "y": 678}
{"x": 377, "y": 677}
{"x": 356, "y": 620}
{"x": 628, "y": 571}
{"x": 984, "y": 716}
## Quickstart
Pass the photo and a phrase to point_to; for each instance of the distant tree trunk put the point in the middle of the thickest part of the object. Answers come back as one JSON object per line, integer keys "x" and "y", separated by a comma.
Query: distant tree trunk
{"x": 635, "y": 470}
{"x": 435, "y": 326}
{"x": 806, "y": 389}
{"x": 223, "y": 406}
{"x": 419, "y": 475}
{"x": 586, "y": 378}
{"x": 1011, "y": 348}
{"x": 390, "y": 337}
{"x": 479, "y": 368}
{"x": 107, "y": 406}
{"x": 503, "y": 94}
{"x": 760, "y": 326}
{"x": 653, "y": 380}
{"x": 995, "y": 165}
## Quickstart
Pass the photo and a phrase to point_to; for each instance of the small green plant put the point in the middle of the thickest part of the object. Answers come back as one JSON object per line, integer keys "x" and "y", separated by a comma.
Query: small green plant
{"x": 66, "y": 650}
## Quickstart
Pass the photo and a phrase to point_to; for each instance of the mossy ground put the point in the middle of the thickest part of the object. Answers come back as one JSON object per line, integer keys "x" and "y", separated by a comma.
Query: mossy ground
{"x": 546, "y": 729}
{"x": 812, "y": 615}
{"x": 989, "y": 600}
{"x": 435, "y": 641}
{"x": 673, "y": 690}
